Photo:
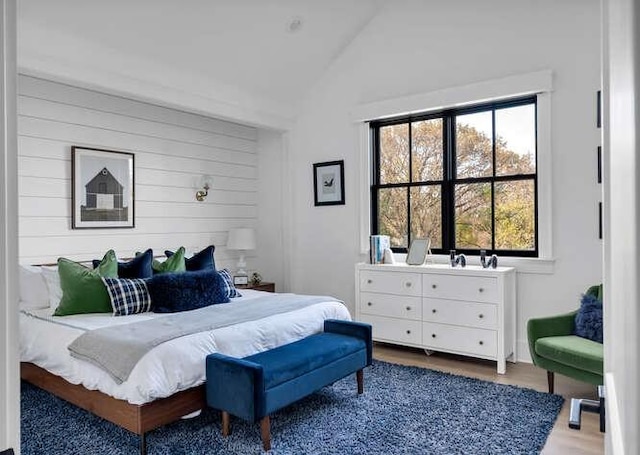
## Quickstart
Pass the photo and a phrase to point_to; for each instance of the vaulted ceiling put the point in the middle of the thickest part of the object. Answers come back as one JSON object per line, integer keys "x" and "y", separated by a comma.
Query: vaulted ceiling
{"x": 259, "y": 52}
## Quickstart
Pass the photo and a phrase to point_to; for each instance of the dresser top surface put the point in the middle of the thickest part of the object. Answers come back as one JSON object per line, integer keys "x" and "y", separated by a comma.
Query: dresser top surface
{"x": 437, "y": 268}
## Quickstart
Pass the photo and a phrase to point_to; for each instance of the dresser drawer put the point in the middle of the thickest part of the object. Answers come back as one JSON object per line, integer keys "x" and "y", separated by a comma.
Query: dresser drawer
{"x": 473, "y": 288}
{"x": 470, "y": 314}
{"x": 460, "y": 339}
{"x": 401, "y": 331}
{"x": 395, "y": 306}
{"x": 398, "y": 283}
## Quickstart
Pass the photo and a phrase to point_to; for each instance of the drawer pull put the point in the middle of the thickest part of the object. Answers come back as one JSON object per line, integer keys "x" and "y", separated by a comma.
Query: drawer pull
{"x": 433, "y": 335}
{"x": 408, "y": 308}
{"x": 369, "y": 303}
{"x": 481, "y": 315}
{"x": 481, "y": 343}
{"x": 481, "y": 290}
{"x": 408, "y": 284}
{"x": 408, "y": 332}
{"x": 433, "y": 286}
{"x": 434, "y": 311}
{"x": 369, "y": 281}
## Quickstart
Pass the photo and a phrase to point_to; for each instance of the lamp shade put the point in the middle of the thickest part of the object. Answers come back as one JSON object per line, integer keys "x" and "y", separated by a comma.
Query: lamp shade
{"x": 241, "y": 239}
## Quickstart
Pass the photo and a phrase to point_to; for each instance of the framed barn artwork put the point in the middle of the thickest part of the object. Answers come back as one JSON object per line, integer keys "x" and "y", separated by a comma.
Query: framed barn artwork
{"x": 102, "y": 184}
{"x": 328, "y": 183}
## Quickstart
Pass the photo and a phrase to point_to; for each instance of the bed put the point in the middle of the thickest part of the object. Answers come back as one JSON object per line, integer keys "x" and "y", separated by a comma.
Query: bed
{"x": 167, "y": 383}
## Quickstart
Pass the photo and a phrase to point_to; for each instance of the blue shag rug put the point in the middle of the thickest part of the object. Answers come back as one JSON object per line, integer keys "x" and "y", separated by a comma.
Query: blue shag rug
{"x": 404, "y": 410}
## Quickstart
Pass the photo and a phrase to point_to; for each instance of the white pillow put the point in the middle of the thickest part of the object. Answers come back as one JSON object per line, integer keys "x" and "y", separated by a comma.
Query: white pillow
{"x": 34, "y": 293}
{"x": 52, "y": 279}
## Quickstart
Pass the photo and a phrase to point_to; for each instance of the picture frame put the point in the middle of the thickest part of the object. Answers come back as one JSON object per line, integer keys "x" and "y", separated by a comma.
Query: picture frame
{"x": 418, "y": 251}
{"x": 328, "y": 183}
{"x": 240, "y": 280}
{"x": 102, "y": 188}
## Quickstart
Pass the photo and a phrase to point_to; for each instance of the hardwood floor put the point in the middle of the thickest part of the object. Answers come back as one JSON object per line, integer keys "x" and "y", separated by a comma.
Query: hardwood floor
{"x": 562, "y": 440}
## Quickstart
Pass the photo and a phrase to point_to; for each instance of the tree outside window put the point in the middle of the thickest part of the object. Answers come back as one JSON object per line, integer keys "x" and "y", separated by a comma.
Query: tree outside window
{"x": 465, "y": 178}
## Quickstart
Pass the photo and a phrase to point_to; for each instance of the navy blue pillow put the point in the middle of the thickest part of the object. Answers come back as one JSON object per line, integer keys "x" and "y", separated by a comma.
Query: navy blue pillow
{"x": 588, "y": 323}
{"x": 138, "y": 267}
{"x": 202, "y": 260}
{"x": 174, "y": 292}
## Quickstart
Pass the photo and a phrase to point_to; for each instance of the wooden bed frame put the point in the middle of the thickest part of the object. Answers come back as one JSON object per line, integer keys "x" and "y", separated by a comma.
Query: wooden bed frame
{"x": 138, "y": 419}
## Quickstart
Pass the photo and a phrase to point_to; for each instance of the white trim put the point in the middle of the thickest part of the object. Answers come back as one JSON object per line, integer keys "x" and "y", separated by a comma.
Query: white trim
{"x": 539, "y": 83}
{"x": 544, "y": 171}
{"x": 518, "y": 85}
{"x": 363, "y": 182}
{"x": 614, "y": 424}
{"x": 9, "y": 365}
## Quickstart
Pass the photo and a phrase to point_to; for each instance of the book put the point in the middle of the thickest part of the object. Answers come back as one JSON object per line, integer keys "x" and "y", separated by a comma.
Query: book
{"x": 377, "y": 245}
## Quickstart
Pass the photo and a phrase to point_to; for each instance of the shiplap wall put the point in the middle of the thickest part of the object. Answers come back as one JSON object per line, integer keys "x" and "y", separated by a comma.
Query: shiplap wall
{"x": 173, "y": 149}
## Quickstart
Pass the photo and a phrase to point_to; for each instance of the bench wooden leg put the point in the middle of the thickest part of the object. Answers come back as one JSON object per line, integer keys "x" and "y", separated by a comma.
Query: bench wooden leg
{"x": 550, "y": 380}
{"x": 265, "y": 431}
{"x": 225, "y": 424}
{"x": 360, "y": 379}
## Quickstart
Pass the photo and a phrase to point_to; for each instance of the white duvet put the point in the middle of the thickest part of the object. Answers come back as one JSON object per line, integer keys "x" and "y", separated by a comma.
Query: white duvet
{"x": 174, "y": 365}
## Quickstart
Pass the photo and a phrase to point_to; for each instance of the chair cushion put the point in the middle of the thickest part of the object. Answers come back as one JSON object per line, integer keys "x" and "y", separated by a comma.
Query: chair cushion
{"x": 289, "y": 361}
{"x": 573, "y": 351}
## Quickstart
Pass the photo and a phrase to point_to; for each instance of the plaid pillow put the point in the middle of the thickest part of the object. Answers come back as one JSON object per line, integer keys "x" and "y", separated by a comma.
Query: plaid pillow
{"x": 228, "y": 283}
{"x": 128, "y": 295}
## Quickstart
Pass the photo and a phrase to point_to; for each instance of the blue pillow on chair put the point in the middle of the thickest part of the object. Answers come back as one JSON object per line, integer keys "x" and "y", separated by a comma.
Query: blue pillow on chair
{"x": 174, "y": 292}
{"x": 138, "y": 267}
{"x": 202, "y": 260}
{"x": 588, "y": 323}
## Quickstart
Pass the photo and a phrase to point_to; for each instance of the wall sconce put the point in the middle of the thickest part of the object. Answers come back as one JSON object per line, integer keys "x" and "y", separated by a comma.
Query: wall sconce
{"x": 203, "y": 186}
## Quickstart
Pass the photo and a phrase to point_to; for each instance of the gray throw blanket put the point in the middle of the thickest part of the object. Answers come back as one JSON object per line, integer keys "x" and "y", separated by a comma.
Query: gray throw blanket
{"x": 118, "y": 349}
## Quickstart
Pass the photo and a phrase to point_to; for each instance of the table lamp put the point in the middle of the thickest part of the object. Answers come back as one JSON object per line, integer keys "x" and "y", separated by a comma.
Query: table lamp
{"x": 241, "y": 239}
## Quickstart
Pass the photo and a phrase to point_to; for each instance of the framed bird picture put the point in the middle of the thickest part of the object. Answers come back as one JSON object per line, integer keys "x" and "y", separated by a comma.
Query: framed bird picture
{"x": 328, "y": 183}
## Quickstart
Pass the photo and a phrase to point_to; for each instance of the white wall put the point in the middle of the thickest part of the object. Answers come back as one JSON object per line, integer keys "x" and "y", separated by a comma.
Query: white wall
{"x": 415, "y": 47}
{"x": 9, "y": 368}
{"x": 621, "y": 27}
{"x": 172, "y": 150}
{"x": 271, "y": 199}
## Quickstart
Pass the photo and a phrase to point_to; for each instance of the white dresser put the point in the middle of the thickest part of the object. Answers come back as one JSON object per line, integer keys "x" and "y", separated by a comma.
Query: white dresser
{"x": 468, "y": 311}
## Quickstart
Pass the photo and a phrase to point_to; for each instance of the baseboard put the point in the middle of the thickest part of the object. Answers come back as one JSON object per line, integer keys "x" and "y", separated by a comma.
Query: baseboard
{"x": 522, "y": 349}
{"x": 614, "y": 429}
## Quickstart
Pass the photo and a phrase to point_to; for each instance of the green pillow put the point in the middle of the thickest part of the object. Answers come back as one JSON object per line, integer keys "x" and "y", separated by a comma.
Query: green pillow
{"x": 175, "y": 263}
{"x": 82, "y": 288}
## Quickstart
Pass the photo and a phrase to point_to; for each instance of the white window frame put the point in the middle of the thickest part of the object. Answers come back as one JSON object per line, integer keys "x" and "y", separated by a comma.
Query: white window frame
{"x": 539, "y": 83}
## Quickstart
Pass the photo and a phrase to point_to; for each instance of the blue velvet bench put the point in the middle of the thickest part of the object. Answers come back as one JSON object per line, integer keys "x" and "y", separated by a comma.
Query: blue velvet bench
{"x": 254, "y": 387}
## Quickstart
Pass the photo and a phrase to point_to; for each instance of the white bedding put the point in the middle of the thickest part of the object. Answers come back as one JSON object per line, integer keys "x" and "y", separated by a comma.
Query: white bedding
{"x": 171, "y": 367}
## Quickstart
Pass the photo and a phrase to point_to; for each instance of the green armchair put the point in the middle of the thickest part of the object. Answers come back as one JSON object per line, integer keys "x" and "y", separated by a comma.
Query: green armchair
{"x": 554, "y": 347}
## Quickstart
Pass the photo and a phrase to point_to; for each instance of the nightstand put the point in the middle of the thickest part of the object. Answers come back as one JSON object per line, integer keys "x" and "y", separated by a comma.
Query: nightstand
{"x": 263, "y": 286}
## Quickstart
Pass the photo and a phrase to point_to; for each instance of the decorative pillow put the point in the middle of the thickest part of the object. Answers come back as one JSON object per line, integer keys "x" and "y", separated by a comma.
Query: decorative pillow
{"x": 173, "y": 292}
{"x": 82, "y": 288}
{"x": 202, "y": 260}
{"x": 138, "y": 267}
{"x": 175, "y": 263}
{"x": 52, "y": 280}
{"x": 128, "y": 295}
{"x": 230, "y": 288}
{"x": 588, "y": 323}
{"x": 33, "y": 288}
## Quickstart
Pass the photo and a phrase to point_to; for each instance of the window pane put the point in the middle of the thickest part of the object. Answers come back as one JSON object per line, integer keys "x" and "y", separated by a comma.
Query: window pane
{"x": 474, "y": 150}
{"x": 426, "y": 149}
{"x": 516, "y": 140}
{"x": 394, "y": 154}
{"x": 392, "y": 215}
{"x": 426, "y": 214}
{"x": 473, "y": 215}
{"x": 515, "y": 215}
